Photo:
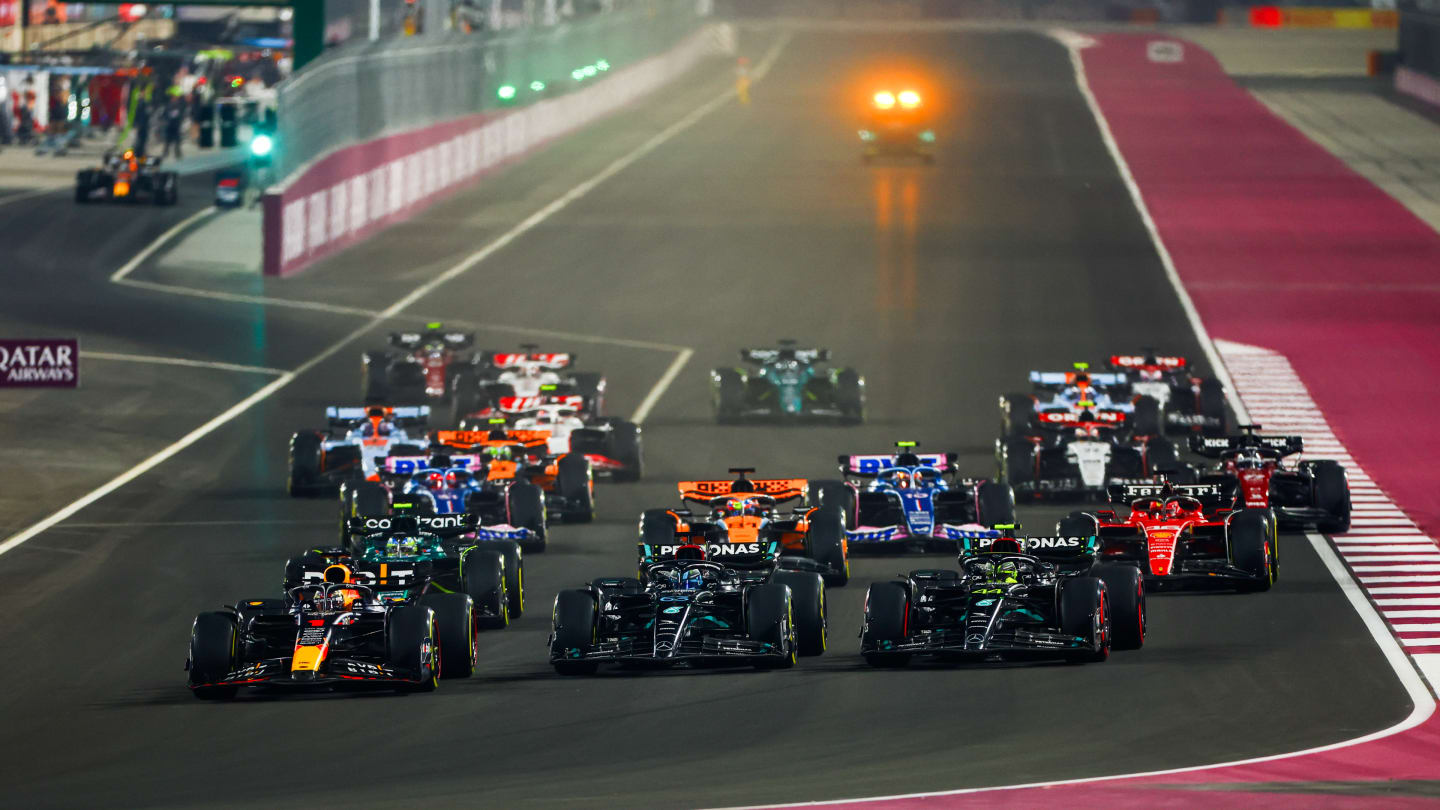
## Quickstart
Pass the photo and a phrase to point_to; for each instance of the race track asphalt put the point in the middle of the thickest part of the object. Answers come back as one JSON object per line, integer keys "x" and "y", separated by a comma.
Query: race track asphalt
{"x": 944, "y": 284}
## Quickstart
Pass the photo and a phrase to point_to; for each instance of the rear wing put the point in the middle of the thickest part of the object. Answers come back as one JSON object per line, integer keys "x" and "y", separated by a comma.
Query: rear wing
{"x": 1060, "y": 379}
{"x": 869, "y": 466}
{"x": 470, "y": 439}
{"x": 413, "y": 340}
{"x": 1211, "y": 495}
{"x": 311, "y": 571}
{"x": 550, "y": 360}
{"x": 409, "y": 465}
{"x": 771, "y": 355}
{"x": 1045, "y": 547}
{"x": 781, "y": 489}
{"x": 1060, "y": 420}
{"x": 1221, "y": 446}
{"x": 453, "y": 525}
{"x": 1140, "y": 362}
{"x": 736, "y": 555}
{"x": 404, "y": 416}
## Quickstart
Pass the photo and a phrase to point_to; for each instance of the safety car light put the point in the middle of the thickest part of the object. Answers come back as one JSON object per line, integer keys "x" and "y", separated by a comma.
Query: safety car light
{"x": 909, "y": 98}
{"x": 884, "y": 100}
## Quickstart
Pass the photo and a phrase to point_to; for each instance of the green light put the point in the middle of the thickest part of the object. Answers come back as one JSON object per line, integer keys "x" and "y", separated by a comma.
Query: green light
{"x": 907, "y": 444}
{"x": 577, "y": 74}
{"x": 1082, "y": 366}
{"x": 506, "y": 92}
{"x": 497, "y": 420}
{"x": 927, "y": 136}
{"x": 537, "y": 86}
{"x": 602, "y": 65}
{"x": 1005, "y": 525}
{"x": 867, "y": 135}
{"x": 433, "y": 325}
{"x": 403, "y": 505}
{"x": 260, "y": 145}
{"x": 590, "y": 70}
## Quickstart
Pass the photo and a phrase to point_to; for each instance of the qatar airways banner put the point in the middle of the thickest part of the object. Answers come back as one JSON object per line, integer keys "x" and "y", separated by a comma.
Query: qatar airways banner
{"x": 353, "y": 193}
{"x": 39, "y": 363}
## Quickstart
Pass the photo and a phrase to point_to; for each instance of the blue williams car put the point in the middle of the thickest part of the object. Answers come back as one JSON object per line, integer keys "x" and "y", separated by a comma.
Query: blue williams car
{"x": 903, "y": 499}
{"x": 787, "y": 384}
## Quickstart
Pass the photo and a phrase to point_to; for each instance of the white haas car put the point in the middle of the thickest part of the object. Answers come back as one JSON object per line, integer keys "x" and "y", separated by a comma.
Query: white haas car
{"x": 1079, "y": 455}
{"x": 612, "y": 445}
{"x": 512, "y": 382}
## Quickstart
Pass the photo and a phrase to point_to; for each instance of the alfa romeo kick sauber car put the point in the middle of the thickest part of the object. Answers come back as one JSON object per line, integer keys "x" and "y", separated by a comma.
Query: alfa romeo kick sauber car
{"x": 743, "y": 525}
{"x": 1077, "y": 455}
{"x": 417, "y": 366}
{"x": 1302, "y": 494}
{"x": 1186, "y": 535}
{"x": 692, "y": 611}
{"x": 1012, "y": 599}
{"x": 906, "y": 498}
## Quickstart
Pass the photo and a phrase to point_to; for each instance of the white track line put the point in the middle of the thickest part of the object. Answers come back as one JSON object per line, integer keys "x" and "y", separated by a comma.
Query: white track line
{"x": 139, "y": 258}
{"x": 510, "y": 235}
{"x": 659, "y": 390}
{"x": 178, "y": 361}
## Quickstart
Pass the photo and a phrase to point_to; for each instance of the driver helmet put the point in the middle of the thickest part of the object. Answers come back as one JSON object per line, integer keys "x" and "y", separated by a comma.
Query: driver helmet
{"x": 500, "y": 451}
{"x": 690, "y": 579}
{"x": 1007, "y": 571}
{"x": 455, "y": 479}
{"x": 901, "y": 479}
{"x": 1173, "y": 508}
{"x": 402, "y": 546}
{"x": 434, "y": 479}
{"x": 738, "y": 507}
{"x": 1249, "y": 461}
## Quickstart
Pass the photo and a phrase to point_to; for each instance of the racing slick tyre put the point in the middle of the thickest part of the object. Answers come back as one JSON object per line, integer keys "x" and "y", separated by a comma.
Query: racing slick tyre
{"x": 304, "y": 478}
{"x": 1017, "y": 462}
{"x": 464, "y": 397}
{"x": 1332, "y": 493}
{"x": 1125, "y": 588}
{"x": 514, "y": 574}
{"x": 769, "y": 618}
{"x": 625, "y": 447}
{"x": 371, "y": 500}
{"x": 1077, "y": 524}
{"x": 213, "y": 642}
{"x": 573, "y": 483}
{"x": 729, "y": 394}
{"x": 482, "y": 576}
{"x": 1147, "y": 420}
{"x": 573, "y": 632}
{"x": 455, "y": 622}
{"x": 996, "y": 502}
{"x": 850, "y": 396}
{"x": 525, "y": 509}
{"x": 410, "y": 644}
{"x": 807, "y": 600}
{"x": 835, "y": 493}
{"x": 373, "y": 379}
{"x": 887, "y": 613}
{"x": 825, "y": 544}
{"x": 1085, "y": 612}
{"x": 1251, "y": 535}
{"x": 1212, "y": 407}
{"x": 1015, "y": 413}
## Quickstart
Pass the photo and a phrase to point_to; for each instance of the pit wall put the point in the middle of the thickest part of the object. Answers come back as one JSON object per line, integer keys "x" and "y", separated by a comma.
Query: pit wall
{"x": 354, "y": 193}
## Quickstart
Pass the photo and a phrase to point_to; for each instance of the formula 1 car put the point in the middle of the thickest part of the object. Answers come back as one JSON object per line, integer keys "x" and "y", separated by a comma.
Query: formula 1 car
{"x": 897, "y": 126}
{"x": 1074, "y": 392}
{"x": 904, "y": 498}
{"x": 331, "y": 634}
{"x": 567, "y": 480}
{"x": 1187, "y": 403}
{"x": 1011, "y": 599}
{"x": 787, "y": 386}
{"x": 415, "y": 552}
{"x": 1308, "y": 493}
{"x": 508, "y": 383}
{"x": 353, "y": 446}
{"x": 483, "y": 478}
{"x": 1080, "y": 454}
{"x": 613, "y": 445}
{"x": 744, "y": 528}
{"x": 417, "y": 366}
{"x": 1186, "y": 535}
{"x": 692, "y": 611}
{"x": 127, "y": 176}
